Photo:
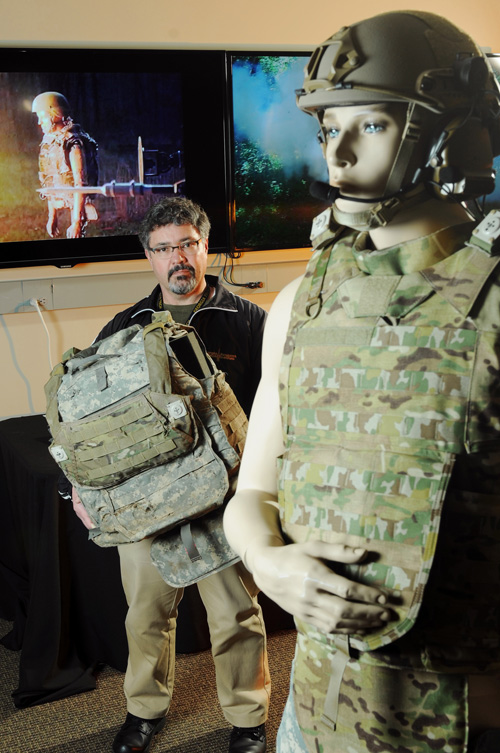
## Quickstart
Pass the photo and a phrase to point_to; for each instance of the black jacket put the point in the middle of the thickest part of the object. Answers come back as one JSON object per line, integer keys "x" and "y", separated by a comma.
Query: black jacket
{"x": 230, "y": 327}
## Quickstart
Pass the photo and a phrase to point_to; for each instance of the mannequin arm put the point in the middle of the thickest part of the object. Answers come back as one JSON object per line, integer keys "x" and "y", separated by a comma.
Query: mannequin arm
{"x": 295, "y": 576}
{"x": 76, "y": 159}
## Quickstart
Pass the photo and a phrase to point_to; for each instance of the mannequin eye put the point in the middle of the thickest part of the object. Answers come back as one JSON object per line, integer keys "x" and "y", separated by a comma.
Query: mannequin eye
{"x": 373, "y": 127}
{"x": 332, "y": 133}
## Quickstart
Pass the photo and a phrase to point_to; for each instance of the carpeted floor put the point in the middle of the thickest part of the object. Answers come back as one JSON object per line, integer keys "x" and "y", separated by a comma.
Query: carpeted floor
{"x": 87, "y": 723}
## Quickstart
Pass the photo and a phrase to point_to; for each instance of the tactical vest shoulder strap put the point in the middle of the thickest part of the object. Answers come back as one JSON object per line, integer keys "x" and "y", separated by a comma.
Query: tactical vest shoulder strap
{"x": 324, "y": 234}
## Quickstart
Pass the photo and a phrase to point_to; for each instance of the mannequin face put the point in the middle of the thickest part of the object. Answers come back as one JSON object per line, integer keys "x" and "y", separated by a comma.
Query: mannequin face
{"x": 361, "y": 144}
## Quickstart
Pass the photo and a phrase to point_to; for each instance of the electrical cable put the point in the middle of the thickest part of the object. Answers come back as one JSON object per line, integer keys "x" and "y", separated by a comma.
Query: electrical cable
{"x": 226, "y": 273}
{"x": 36, "y": 305}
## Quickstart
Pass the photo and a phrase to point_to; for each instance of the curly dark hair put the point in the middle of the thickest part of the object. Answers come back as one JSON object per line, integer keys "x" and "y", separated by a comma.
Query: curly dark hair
{"x": 174, "y": 210}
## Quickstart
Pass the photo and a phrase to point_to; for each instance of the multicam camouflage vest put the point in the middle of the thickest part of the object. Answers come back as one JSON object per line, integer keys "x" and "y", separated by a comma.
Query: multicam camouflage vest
{"x": 148, "y": 432}
{"x": 391, "y": 409}
{"x": 54, "y": 167}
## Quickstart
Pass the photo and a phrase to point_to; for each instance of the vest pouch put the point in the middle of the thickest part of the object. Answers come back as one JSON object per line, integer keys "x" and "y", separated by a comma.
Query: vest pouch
{"x": 114, "y": 444}
{"x": 159, "y": 498}
{"x": 193, "y": 551}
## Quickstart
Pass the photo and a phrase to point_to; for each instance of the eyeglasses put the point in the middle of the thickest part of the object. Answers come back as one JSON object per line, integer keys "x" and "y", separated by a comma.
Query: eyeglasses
{"x": 186, "y": 247}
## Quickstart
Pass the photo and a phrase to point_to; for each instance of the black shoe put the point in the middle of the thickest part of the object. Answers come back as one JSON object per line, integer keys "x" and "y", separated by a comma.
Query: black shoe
{"x": 488, "y": 742}
{"x": 248, "y": 739}
{"x": 136, "y": 734}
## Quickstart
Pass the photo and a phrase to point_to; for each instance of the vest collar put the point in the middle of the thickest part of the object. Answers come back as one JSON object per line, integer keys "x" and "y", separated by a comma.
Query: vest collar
{"x": 411, "y": 256}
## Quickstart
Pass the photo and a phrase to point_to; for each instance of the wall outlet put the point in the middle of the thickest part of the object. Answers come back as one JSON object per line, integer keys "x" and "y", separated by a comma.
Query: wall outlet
{"x": 39, "y": 290}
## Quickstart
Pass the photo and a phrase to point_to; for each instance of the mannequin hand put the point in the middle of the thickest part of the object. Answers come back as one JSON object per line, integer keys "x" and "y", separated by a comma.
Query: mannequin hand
{"x": 296, "y": 578}
{"x": 80, "y": 510}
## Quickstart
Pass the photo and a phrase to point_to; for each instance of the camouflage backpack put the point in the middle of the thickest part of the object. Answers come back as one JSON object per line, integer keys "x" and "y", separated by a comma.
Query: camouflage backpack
{"x": 150, "y": 434}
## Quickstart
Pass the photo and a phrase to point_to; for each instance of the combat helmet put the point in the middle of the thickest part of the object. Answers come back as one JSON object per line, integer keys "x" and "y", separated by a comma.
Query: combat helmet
{"x": 53, "y": 103}
{"x": 452, "y": 129}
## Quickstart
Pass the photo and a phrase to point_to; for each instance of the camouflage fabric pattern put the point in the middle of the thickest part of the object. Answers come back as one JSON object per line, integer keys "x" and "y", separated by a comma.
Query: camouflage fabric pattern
{"x": 54, "y": 167}
{"x": 143, "y": 456}
{"x": 108, "y": 431}
{"x": 171, "y": 557}
{"x": 390, "y": 406}
{"x": 383, "y": 708}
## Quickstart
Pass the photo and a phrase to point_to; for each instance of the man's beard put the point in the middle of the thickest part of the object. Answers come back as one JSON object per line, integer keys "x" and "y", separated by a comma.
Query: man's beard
{"x": 182, "y": 285}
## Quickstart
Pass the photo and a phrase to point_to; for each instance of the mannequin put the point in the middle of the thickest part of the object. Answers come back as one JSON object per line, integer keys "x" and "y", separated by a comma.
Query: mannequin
{"x": 316, "y": 569}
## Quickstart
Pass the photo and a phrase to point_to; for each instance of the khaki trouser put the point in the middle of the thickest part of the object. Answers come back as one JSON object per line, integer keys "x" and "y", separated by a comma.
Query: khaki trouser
{"x": 237, "y": 635}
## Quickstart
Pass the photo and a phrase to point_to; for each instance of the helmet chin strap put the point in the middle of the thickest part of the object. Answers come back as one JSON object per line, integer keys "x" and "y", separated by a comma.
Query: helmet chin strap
{"x": 380, "y": 213}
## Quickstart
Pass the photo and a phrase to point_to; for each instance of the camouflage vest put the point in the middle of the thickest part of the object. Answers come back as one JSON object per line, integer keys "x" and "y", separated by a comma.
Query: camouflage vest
{"x": 391, "y": 408}
{"x": 54, "y": 167}
{"x": 150, "y": 434}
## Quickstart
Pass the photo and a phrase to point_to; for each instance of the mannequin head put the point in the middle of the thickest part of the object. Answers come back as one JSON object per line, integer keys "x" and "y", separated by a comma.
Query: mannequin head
{"x": 443, "y": 83}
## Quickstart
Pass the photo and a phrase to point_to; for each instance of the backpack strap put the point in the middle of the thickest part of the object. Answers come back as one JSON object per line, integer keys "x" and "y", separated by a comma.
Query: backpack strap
{"x": 155, "y": 349}
{"x": 51, "y": 388}
{"x": 192, "y": 355}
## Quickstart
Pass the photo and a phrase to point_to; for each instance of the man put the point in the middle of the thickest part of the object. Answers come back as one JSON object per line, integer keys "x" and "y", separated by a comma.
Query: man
{"x": 174, "y": 234}
{"x": 379, "y": 402}
{"x": 68, "y": 157}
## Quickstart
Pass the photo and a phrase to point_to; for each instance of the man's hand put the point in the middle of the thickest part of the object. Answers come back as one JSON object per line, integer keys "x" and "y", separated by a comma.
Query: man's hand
{"x": 296, "y": 578}
{"x": 80, "y": 510}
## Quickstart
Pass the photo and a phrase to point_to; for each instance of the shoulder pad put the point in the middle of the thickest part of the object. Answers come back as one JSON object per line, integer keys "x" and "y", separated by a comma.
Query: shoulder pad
{"x": 324, "y": 227}
{"x": 486, "y": 235}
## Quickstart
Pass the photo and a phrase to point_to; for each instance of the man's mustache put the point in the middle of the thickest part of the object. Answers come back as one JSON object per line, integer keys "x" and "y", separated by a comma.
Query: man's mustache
{"x": 179, "y": 267}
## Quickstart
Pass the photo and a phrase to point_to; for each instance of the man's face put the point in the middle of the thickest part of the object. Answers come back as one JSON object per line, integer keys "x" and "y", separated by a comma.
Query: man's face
{"x": 182, "y": 271}
{"x": 361, "y": 144}
{"x": 45, "y": 121}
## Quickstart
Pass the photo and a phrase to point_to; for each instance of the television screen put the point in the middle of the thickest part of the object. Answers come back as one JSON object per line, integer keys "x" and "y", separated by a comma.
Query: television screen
{"x": 125, "y": 127}
{"x": 492, "y": 200}
{"x": 275, "y": 153}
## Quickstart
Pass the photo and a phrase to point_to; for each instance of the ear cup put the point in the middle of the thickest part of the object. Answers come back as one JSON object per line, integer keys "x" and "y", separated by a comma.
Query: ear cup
{"x": 471, "y": 75}
{"x": 463, "y": 159}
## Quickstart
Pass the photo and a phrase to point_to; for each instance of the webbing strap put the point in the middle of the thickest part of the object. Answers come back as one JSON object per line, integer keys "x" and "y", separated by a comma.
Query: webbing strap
{"x": 411, "y": 136}
{"x": 51, "y": 388}
{"x": 133, "y": 436}
{"x": 338, "y": 665}
{"x": 314, "y": 301}
{"x": 199, "y": 354}
{"x": 86, "y": 431}
{"x": 188, "y": 541}
{"x": 157, "y": 358}
{"x": 140, "y": 458}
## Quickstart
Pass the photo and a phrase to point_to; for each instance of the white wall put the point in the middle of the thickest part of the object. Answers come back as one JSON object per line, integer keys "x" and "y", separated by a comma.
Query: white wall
{"x": 163, "y": 23}
{"x": 217, "y": 22}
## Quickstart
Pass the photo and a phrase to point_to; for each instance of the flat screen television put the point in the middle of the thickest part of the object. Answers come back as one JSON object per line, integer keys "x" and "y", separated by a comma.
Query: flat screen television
{"x": 492, "y": 200}
{"x": 275, "y": 153}
{"x": 158, "y": 118}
